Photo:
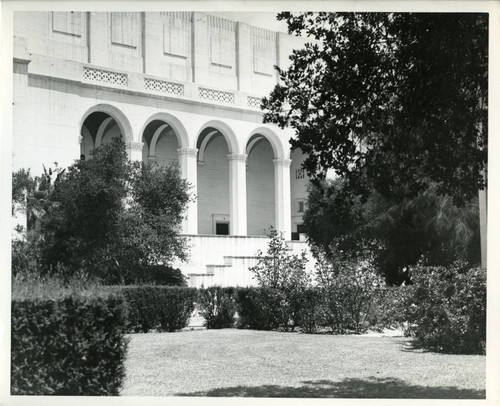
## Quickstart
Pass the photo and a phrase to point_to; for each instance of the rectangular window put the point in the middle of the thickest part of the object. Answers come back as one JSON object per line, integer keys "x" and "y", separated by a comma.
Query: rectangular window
{"x": 300, "y": 206}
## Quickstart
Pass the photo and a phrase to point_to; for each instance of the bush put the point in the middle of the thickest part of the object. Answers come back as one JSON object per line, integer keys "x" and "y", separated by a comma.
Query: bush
{"x": 73, "y": 345}
{"x": 217, "y": 307}
{"x": 252, "y": 305}
{"x": 446, "y": 308}
{"x": 347, "y": 290}
{"x": 284, "y": 279}
{"x": 310, "y": 312}
{"x": 163, "y": 308}
{"x": 158, "y": 275}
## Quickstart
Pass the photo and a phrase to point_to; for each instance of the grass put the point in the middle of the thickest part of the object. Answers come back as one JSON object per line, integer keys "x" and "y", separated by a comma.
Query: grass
{"x": 245, "y": 363}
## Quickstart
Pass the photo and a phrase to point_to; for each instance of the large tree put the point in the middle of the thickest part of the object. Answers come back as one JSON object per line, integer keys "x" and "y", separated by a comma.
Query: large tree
{"x": 112, "y": 218}
{"x": 398, "y": 233}
{"x": 391, "y": 102}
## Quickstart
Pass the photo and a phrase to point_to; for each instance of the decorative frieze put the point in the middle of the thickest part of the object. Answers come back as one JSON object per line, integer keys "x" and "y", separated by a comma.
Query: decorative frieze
{"x": 163, "y": 86}
{"x": 100, "y": 75}
{"x": 216, "y": 95}
{"x": 254, "y": 102}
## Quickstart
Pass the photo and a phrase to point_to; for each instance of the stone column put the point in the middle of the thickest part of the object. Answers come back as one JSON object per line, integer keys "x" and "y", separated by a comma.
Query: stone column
{"x": 238, "y": 194}
{"x": 282, "y": 196}
{"x": 188, "y": 165}
{"x": 134, "y": 150}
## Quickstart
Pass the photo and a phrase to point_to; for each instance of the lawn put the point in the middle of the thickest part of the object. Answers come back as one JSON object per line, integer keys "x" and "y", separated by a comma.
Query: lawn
{"x": 233, "y": 362}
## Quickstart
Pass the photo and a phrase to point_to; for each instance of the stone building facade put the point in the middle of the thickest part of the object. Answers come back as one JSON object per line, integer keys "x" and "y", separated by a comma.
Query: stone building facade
{"x": 179, "y": 87}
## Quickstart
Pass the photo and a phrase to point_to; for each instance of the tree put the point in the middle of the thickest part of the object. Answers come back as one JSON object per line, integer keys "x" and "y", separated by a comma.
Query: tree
{"x": 113, "y": 218}
{"x": 391, "y": 102}
{"x": 399, "y": 233}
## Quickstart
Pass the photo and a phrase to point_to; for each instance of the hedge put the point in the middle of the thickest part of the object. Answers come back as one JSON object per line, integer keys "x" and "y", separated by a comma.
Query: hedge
{"x": 217, "y": 306}
{"x": 73, "y": 345}
{"x": 160, "y": 308}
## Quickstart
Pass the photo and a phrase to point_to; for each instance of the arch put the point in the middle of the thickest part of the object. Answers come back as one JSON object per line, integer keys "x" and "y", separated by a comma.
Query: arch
{"x": 226, "y": 131}
{"x": 204, "y": 144}
{"x": 101, "y": 130}
{"x": 252, "y": 143}
{"x": 272, "y": 137}
{"x": 120, "y": 119}
{"x": 174, "y": 123}
{"x": 156, "y": 136}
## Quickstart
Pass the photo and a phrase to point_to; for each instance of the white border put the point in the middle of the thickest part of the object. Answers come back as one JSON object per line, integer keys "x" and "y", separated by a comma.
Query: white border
{"x": 491, "y": 6}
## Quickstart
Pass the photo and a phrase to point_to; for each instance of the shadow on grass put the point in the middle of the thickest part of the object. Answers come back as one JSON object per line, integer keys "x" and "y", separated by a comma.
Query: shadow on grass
{"x": 348, "y": 388}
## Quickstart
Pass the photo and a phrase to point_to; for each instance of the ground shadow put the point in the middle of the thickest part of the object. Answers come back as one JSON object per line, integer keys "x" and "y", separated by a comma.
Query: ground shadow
{"x": 371, "y": 387}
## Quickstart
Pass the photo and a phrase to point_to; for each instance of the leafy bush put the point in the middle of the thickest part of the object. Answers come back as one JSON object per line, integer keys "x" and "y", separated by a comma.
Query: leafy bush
{"x": 217, "y": 307}
{"x": 157, "y": 275}
{"x": 446, "y": 308}
{"x": 386, "y": 311}
{"x": 253, "y": 310}
{"x": 72, "y": 345}
{"x": 311, "y": 310}
{"x": 163, "y": 308}
{"x": 284, "y": 279}
{"x": 346, "y": 289}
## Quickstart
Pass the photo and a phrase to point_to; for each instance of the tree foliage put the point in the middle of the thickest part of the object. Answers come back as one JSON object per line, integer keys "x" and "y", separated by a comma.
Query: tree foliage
{"x": 391, "y": 102}
{"x": 112, "y": 218}
{"x": 399, "y": 233}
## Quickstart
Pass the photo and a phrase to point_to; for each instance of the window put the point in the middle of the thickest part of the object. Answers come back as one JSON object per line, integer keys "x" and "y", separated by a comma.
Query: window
{"x": 301, "y": 229}
{"x": 300, "y": 206}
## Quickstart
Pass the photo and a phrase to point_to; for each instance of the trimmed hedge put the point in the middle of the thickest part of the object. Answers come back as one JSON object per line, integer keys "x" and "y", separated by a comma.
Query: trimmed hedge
{"x": 72, "y": 345}
{"x": 162, "y": 308}
{"x": 217, "y": 306}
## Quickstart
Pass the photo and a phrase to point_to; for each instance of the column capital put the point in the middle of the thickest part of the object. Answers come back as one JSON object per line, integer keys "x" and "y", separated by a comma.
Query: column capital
{"x": 282, "y": 162}
{"x": 188, "y": 151}
{"x": 134, "y": 145}
{"x": 237, "y": 157}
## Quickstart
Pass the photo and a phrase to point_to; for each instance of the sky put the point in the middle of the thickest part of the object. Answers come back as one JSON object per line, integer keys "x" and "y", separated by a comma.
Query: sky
{"x": 264, "y": 19}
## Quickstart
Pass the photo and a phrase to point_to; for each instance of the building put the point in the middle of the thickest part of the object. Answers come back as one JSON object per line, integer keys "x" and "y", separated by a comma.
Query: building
{"x": 176, "y": 86}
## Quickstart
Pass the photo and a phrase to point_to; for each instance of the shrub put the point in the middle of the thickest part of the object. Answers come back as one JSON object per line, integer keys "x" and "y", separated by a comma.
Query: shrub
{"x": 71, "y": 345}
{"x": 446, "y": 308}
{"x": 284, "y": 279}
{"x": 158, "y": 275}
{"x": 347, "y": 288}
{"x": 252, "y": 305}
{"x": 163, "y": 308}
{"x": 217, "y": 306}
{"x": 310, "y": 312}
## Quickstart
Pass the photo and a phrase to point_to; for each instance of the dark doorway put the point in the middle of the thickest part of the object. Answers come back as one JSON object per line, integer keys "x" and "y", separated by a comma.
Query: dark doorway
{"x": 222, "y": 228}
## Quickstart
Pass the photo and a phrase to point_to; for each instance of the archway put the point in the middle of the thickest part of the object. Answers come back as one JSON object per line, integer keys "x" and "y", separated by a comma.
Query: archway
{"x": 260, "y": 184}
{"x": 213, "y": 196}
{"x": 97, "y": 129}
